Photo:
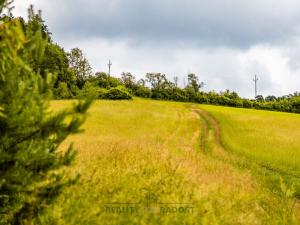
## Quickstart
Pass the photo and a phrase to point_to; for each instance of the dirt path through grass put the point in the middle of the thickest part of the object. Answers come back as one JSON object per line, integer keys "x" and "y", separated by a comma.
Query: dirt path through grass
{"x": 131, "y": 150}
{"x": 211, "y": 139}
{"x": 218, "y": 150}
{"x": 210, "y": 123}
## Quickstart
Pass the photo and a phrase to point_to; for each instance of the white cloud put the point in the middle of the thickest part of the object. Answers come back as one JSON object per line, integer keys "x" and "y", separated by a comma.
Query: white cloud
{"x": 259, "y": 37}
{"x": 219, "y": 68}
{"x": 21, "y": 6}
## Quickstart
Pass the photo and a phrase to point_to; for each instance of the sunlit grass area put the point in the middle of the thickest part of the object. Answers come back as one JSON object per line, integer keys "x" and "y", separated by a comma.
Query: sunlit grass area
{"x": 141, "y": 162}
{"x": 270, "y": 138}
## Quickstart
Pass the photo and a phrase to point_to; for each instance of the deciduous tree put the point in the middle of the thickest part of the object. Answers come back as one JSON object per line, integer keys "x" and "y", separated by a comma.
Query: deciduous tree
{"x": 193, "y": 82}
{"x": 80, "y": 65}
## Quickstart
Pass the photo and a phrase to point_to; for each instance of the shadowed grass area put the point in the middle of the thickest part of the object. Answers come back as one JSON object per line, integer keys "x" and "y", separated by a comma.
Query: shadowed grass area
{"x": 141, "y": 163}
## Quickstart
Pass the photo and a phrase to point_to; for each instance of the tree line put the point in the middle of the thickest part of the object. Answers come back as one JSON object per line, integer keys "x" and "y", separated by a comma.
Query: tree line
{"x": 75, "y": 79}
{"x": 157, "y": 86}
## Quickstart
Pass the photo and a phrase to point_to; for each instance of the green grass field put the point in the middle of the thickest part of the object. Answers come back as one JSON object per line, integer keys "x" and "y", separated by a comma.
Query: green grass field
{"x": 145, "y": 162}
{"x": 270, "y": 139}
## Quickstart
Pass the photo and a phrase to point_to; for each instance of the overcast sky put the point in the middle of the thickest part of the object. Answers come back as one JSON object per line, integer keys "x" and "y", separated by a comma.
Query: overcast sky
{"x": 224, "y": 42}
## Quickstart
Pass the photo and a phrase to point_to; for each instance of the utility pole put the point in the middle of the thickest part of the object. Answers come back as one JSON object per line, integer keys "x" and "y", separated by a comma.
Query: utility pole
{"x": 109, "y": 66}
{"x": 255, "y": 82}
{"x": 176, "y": 81}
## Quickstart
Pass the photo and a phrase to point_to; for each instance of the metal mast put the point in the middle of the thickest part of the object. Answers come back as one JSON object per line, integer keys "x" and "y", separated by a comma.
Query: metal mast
{"x": 255, "y": 82}
{"x": 109, "y": 66}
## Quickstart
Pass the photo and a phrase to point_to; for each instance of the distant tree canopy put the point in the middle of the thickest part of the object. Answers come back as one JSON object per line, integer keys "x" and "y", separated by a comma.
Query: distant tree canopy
{"x": 270, "y": 98}
{"x": 193, "y": 82}
{"x": 105, "y": 81}
{"x": 128, "y": 80}
{"x": 75, "y": 79}
{"x": 157, "y": 81}
{"x": 259, "y": 98}
{"x": 80, "y": 65}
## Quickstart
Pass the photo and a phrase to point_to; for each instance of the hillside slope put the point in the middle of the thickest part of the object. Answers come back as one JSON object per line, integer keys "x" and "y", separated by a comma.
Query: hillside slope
{"x": 269, "y": 139}
{"x": 145, "y": 162}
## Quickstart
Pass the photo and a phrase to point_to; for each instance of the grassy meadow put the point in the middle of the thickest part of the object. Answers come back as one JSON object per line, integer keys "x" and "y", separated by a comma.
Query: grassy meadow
{"x": 270, "y": 139}
{"x": 144, "y": 162}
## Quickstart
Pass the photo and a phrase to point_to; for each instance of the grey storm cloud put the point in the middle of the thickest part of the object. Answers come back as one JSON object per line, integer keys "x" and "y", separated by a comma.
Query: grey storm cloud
{"x": 224, "y": 42}
{"x": 233, "y": 23}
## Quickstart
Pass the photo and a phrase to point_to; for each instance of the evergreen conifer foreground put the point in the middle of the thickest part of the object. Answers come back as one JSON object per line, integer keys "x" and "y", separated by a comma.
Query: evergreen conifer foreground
{"x": 31, "y": 167}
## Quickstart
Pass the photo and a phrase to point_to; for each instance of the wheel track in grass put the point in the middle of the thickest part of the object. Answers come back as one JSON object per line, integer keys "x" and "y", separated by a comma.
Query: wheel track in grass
{"x": 204, "y": 132}
{"x": 213, "y": 125}
{"x": 212, "y": 131}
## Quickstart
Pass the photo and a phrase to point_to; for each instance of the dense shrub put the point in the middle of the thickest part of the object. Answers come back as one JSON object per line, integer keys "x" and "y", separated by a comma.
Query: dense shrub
{"x": 191, "y": 94}
{"x": 89, "y": 90}
{"x": 62, "y": 92}
{"x": 295, "y": 104}
{"x": 160, "y": 94}
{"x": 247, "y": 103}
{"x": 178, "y": 94}
{"x": 201, "y": 98}
{"x": 103, "y": 80}
{"x": 101, "y": 92}
{"x": 74, "y": 90}
{"x": 143, "y": 92}
{"x": 117, "y": 93}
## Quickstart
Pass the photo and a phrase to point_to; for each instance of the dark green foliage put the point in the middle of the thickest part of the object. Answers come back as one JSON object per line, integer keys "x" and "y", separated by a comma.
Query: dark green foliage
{"x": 143, "y": 92}
{"x": 80, "y": 65}
{"x": 191, "y": 94}
{"x": 157, "y": 81}
{"x": 62, "y": 91}
{"x": 247, "y": 103}
{"x": 162, "y": 88}
{"x": 91, "y": 90}
{"x": 259, "y": 98}
{"x": 129, "y": 81}
{"x": 54, "y": 58}
{"x": 201, "y": 97}
{"x": 193, "y": 82}
{"x": 117, "y": 93}
{"x": 36, "y": 23}
{"x": 31, "y": 168}
{"x": 295, "y": 104}
{"x": 135, "y": 88}
{"x": 2, "y": 5}
{"x": 74, "y": 90}
{"x": 177, "y": 94}
{"x": 270, "y": 98}
{"x": 102, "y": 86}
{"x": 103, "y": 80}
{"x": 56, "y": 61}
{"x": 230, "y": 95}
